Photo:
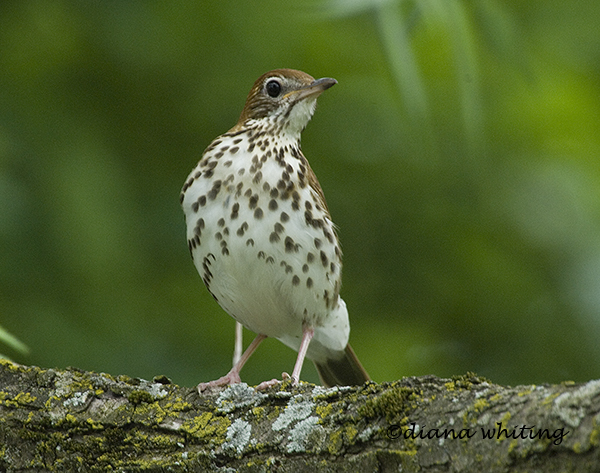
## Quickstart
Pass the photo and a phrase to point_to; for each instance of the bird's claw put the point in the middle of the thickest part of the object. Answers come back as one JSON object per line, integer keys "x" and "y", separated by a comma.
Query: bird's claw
{"x": 227, "y": 380}
{"x": 285, "y": 378}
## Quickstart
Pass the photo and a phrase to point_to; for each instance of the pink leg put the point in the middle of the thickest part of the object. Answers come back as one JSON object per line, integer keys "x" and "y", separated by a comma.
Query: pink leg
{"x": 307, "y": 335}
{"x": 233, "y": 376}
{"x": 238, "y": 346}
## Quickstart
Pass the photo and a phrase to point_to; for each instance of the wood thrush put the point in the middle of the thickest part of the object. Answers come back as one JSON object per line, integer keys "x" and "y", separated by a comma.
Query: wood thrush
{"x": 261, "y": 236}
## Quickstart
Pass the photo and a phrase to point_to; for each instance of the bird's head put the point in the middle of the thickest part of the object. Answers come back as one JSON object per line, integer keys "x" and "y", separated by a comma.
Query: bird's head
{"x": 285, "y": 99}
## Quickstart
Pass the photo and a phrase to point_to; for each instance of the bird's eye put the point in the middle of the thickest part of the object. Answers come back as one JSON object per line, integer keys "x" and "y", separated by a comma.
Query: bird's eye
{"x": 273, "y": 88}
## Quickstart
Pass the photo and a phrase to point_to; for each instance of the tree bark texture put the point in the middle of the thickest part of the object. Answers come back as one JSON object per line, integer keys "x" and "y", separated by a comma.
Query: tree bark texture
{"x": 73, "y": 420}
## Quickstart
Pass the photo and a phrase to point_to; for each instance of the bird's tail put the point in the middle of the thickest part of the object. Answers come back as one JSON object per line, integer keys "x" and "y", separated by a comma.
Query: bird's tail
{"x": 343, "y": 371}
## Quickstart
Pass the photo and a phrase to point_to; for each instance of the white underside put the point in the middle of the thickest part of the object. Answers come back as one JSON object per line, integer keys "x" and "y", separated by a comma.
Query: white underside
{"x": 258, "y": 291}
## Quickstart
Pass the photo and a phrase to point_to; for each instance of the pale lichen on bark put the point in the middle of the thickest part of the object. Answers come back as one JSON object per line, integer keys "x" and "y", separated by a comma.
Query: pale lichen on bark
{"x": 72, "y": 420}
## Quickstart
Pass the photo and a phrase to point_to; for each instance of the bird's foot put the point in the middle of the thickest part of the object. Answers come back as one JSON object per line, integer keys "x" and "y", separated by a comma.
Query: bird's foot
{"x": 273, "y": 382}
{"x": 267, "y": 384}
{"x": 232, "y": 377}
{"x": 294, "y": 379}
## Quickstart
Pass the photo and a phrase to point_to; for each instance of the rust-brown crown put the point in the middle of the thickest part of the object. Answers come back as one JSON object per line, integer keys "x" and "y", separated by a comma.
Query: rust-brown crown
{"x": 277, "y": 92}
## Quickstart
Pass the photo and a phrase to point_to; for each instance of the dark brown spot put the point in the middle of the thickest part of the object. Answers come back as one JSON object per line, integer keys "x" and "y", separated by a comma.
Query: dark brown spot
{"x": 253, "y": 201}
{"x": 266, "y": 187}
{"x": 202, "y": 200}
{"x": 234, "y": 150}
{"x": 318, "y": 243}
{"x": 257, "y": 177}
{"x": 310, "y": 257}
{"x": 305, "y": 268}
{"x": 258, "y": 214}
{"x": 324, "y": 259}
{"x": 249, "y": 242}
{"x": 309, "y": 283}
{"x": 274, "y": 193}
{"x": 274, "y": 237}
{"x": 284, "y": 217}
{"x": 270, "y": 259}
{"x": 281, "y": 157}
{"x": 295, "y": 280}
{"x": 278, "y": 227}
{"x": 273, "y": 204}
{"x": 261, "y": 254}
{"x": 308, "y": 217}
{"x": 218, "y": 236}
{"x": 234, "y": 211}
{"x": 240, "y": 231}
{"x": 215, "y": 190}
{"x": 290, "y": 246}
{"x": 195, "y": 207}
{"x": 288, "y": 268}
{"x": 221, "y": 222}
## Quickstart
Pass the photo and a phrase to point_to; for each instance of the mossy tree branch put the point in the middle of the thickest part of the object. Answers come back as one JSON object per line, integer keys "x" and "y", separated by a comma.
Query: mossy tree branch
{"x": 72, "y": 420}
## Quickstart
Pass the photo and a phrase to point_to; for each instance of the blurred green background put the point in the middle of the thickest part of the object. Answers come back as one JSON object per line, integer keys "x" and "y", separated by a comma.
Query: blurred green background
{"x": 460, "y": 157}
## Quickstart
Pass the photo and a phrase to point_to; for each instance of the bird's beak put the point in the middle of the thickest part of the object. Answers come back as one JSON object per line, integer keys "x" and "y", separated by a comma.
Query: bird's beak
{"x": 314, "y": 89}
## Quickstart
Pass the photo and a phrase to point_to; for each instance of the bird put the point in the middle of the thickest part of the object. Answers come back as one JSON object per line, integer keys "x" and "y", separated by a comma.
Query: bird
{"x": 261, "y": 236}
